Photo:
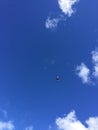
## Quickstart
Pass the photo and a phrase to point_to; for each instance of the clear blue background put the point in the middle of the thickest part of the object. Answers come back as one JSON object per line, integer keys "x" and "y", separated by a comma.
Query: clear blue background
{"x": 31, "y": 57}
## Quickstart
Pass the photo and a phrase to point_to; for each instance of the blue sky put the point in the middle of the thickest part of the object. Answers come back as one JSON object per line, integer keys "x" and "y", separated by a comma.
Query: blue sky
{"x": 38, "y": 41}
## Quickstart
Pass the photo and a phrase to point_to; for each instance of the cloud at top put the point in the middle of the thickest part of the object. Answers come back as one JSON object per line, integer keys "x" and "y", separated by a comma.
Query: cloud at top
{"x": 70, "y": 122}
{"x": 66, "y": 7}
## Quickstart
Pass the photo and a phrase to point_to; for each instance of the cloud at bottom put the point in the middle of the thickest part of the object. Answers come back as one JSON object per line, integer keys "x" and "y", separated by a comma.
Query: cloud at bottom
{"x": 70, "y": 122}
{"x": 6, "y": 125}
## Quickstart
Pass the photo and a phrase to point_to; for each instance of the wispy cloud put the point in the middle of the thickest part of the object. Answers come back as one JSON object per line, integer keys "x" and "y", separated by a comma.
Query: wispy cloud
{"x": 4, "y": 112}
{"x": 83, "y": 72}
{"x": 6, "y": 125}
{"x": 70, "y": 122}
{"x": 29, "y": 128}
{"x": 95, "y": 62}
{"x": 51, "y": 23}
{"x": 66, "y": 6}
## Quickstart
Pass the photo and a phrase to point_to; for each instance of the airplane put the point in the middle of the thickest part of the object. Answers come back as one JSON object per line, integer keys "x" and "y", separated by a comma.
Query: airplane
{"x": 57, "y": 77}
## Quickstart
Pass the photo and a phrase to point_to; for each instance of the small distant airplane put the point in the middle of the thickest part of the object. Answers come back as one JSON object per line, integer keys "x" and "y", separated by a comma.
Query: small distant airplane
{"x": 57, "y": 77}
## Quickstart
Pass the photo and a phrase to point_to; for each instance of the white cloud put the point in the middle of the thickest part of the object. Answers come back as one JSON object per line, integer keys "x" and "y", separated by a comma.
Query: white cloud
{"x": 66, "y": 6}
{"x": 29, "y": 128}
{"x": 92, "y": 123}
{"x": 83, "y": 72}
{"x": 6, "y": 125}
{"x": 70, "y": 122}
{"x": 89, "y": 75}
